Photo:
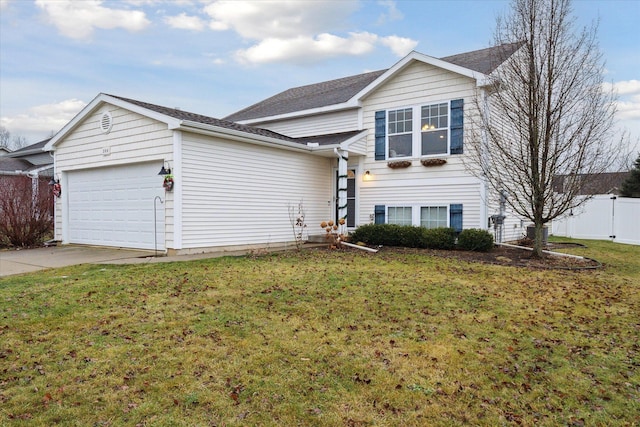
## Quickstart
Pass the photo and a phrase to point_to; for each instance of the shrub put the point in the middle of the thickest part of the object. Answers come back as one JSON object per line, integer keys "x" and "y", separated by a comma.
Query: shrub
{"x": 405, "y": 236}
{"x": 474, "y": 239}
{"x": 25, "y": 218}
{"x": 439, "y": 238}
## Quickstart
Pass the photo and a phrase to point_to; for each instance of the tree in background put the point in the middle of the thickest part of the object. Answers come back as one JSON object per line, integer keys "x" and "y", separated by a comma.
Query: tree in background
{"x": 631, "y": 186}
{"x": 11, "y": 144}
{"x": 549, "y": 114}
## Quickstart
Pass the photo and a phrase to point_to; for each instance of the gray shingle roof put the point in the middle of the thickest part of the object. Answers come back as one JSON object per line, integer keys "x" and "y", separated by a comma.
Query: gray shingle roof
{"x": 199, "y": 118}
{"x": 252, "y": 130}
{"x": 306, "y": 97}
{"x": 330, "y": 139}
{"x": 29, "y": 149}
{"x": 341, "y": 90}
{"x": 484, "y": 60}
{"x": 13, "y": 165}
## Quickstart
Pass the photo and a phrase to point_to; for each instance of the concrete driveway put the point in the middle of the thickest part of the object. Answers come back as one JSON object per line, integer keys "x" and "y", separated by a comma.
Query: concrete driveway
{"x": 30, "y": 260}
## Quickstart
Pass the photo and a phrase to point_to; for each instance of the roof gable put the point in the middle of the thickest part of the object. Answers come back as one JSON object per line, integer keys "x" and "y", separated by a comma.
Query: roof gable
{"x": 347, "y": 91}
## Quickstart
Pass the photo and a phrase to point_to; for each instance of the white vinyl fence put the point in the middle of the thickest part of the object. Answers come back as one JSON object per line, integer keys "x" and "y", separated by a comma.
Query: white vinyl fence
{"x": 604, "y": 217}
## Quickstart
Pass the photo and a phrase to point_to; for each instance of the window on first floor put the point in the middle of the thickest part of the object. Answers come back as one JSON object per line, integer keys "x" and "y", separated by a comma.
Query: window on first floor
{"x": 424, "y": 216}
{"x": 418, "y": 214}
{"x": 400, "y": 215}
{"x": 433, "y": 216}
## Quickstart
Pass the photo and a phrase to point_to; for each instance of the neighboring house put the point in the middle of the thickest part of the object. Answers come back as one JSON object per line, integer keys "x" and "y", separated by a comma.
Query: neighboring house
{"x": 385, "y": 146}
{"x": 28, "y": 161}
{"x": 592, "y": 184}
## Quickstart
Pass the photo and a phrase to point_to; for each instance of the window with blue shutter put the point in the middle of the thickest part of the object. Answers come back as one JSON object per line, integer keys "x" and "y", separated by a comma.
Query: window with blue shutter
{"x": 379, "y": 213}
{"x": 381, "y": 124}
{"x": 455, "y": 217}
{"x": 456, "y": 126}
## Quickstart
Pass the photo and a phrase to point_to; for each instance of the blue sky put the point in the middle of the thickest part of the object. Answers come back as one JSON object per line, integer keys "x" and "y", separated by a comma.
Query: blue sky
{"x": 215, "y": 57}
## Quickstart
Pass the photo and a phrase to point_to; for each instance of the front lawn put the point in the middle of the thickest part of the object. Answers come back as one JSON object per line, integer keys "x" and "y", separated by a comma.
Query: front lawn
{"x": 323, "y": 338}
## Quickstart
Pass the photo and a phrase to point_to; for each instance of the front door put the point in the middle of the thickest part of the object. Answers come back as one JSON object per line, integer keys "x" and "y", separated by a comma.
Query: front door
{"x": 351, "y": 197}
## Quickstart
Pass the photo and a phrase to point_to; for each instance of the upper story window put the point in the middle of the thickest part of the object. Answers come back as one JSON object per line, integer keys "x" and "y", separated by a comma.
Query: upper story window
{"x": 421, "y": 130}
{"x": 435, "y": 129}
{"x": 400, "y": 131}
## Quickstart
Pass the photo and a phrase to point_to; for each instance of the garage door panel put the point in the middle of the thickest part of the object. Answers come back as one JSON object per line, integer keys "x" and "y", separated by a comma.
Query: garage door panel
{"x": 115, "y": 206}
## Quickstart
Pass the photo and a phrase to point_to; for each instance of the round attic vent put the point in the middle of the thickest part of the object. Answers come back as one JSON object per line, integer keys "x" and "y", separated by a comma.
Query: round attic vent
{"x": 106, "y": 122}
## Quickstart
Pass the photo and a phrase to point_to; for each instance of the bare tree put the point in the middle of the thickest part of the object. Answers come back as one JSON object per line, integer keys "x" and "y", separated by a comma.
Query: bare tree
{"x": 14, "y": 143}
{"x": 5, "y": 138}
{"x": 545, "y": 113}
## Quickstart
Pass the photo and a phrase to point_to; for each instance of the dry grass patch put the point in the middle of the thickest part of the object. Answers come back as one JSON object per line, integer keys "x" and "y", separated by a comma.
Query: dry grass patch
{"x": 323, "y": 338}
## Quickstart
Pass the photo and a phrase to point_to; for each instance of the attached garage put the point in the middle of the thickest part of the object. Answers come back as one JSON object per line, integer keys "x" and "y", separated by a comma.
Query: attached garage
{"x": 116, "y": 206}
{"x": 233, "y": 185}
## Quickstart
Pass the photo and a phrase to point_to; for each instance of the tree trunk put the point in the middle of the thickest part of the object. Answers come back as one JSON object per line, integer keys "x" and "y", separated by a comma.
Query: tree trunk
{"x": 538, "y": 241}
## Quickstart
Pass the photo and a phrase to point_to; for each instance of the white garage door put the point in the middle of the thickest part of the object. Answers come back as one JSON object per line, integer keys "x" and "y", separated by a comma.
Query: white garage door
{"x": 114, "y": 206}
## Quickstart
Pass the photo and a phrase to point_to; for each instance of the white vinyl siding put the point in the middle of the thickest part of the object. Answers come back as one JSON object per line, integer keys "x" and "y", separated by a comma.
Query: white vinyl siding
{"x": 420, "y": 84}
{"x": 238, "y": 194}
{"x": 133, "y": 139}
{"x": 323, "y": 124}
{"x": 418, "y": 194}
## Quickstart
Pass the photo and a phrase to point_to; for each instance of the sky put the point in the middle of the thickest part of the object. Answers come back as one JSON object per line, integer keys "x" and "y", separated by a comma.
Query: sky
{"x": 217, "y": 57}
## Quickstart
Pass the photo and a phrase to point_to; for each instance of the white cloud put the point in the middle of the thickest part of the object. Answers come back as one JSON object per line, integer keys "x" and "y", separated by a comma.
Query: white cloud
{"x": 299, "y": 31}
{"x": 185, "y": 22}
{"x": 3, "y": 4}
{"x": 393, "y": 14}
{"x": 628, "y": 103}
{"x": 279, "y": 19}
{"x": 401, "y": 46}
{"x": 78, "y": 19}
{"x": 306, "y": 49}
{"x": 43, "y": 118}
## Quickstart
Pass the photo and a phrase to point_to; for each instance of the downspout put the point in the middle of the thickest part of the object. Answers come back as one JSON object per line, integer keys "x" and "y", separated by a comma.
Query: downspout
{"x": 343, "y": 159}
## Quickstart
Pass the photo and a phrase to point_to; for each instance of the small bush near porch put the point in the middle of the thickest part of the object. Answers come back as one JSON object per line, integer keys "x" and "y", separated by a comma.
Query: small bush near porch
{"x": 331, "y": 338}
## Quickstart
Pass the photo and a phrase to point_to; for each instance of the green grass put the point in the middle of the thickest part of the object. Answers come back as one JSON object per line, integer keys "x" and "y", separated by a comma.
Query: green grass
{"x": 323, "y": 338}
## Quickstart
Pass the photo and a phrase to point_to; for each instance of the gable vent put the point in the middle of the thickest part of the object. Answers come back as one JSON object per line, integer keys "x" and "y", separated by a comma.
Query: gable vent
{"x": 106, "y": 122}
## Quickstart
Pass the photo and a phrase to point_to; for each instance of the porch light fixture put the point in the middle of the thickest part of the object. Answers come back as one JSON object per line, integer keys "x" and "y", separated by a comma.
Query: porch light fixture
{"x": 164, "y": 171}
{"x": 367, "y": 173}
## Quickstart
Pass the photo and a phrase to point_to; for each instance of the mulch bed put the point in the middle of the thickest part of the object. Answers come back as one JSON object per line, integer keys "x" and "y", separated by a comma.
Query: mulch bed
{"x": 502, "y": 255}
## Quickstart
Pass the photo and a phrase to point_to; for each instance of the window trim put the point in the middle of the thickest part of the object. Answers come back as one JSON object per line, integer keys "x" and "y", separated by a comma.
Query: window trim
{"x": 416, "y": 132}
{"x": 416, "y": 211}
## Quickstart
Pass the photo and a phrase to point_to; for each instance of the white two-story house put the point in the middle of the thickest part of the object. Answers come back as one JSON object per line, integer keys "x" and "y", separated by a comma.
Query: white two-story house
{"x": 385, "y": 146}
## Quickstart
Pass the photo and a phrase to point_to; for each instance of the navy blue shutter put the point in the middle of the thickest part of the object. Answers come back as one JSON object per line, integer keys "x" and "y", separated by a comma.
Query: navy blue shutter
{"x": 455, "y": 217}
{"x": 381, "y": 133}
{"x": 379, "y": 212}
{"x": 457, "y": 125}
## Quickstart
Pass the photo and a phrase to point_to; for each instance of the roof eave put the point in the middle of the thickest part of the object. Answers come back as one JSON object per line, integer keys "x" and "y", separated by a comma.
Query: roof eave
{"x": 351, "y": 104}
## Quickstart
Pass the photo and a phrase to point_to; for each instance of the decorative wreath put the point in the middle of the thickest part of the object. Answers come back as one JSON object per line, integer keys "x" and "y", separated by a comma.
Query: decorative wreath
{"x": 57, "y": 189}
{"x": 168, "y": 182}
